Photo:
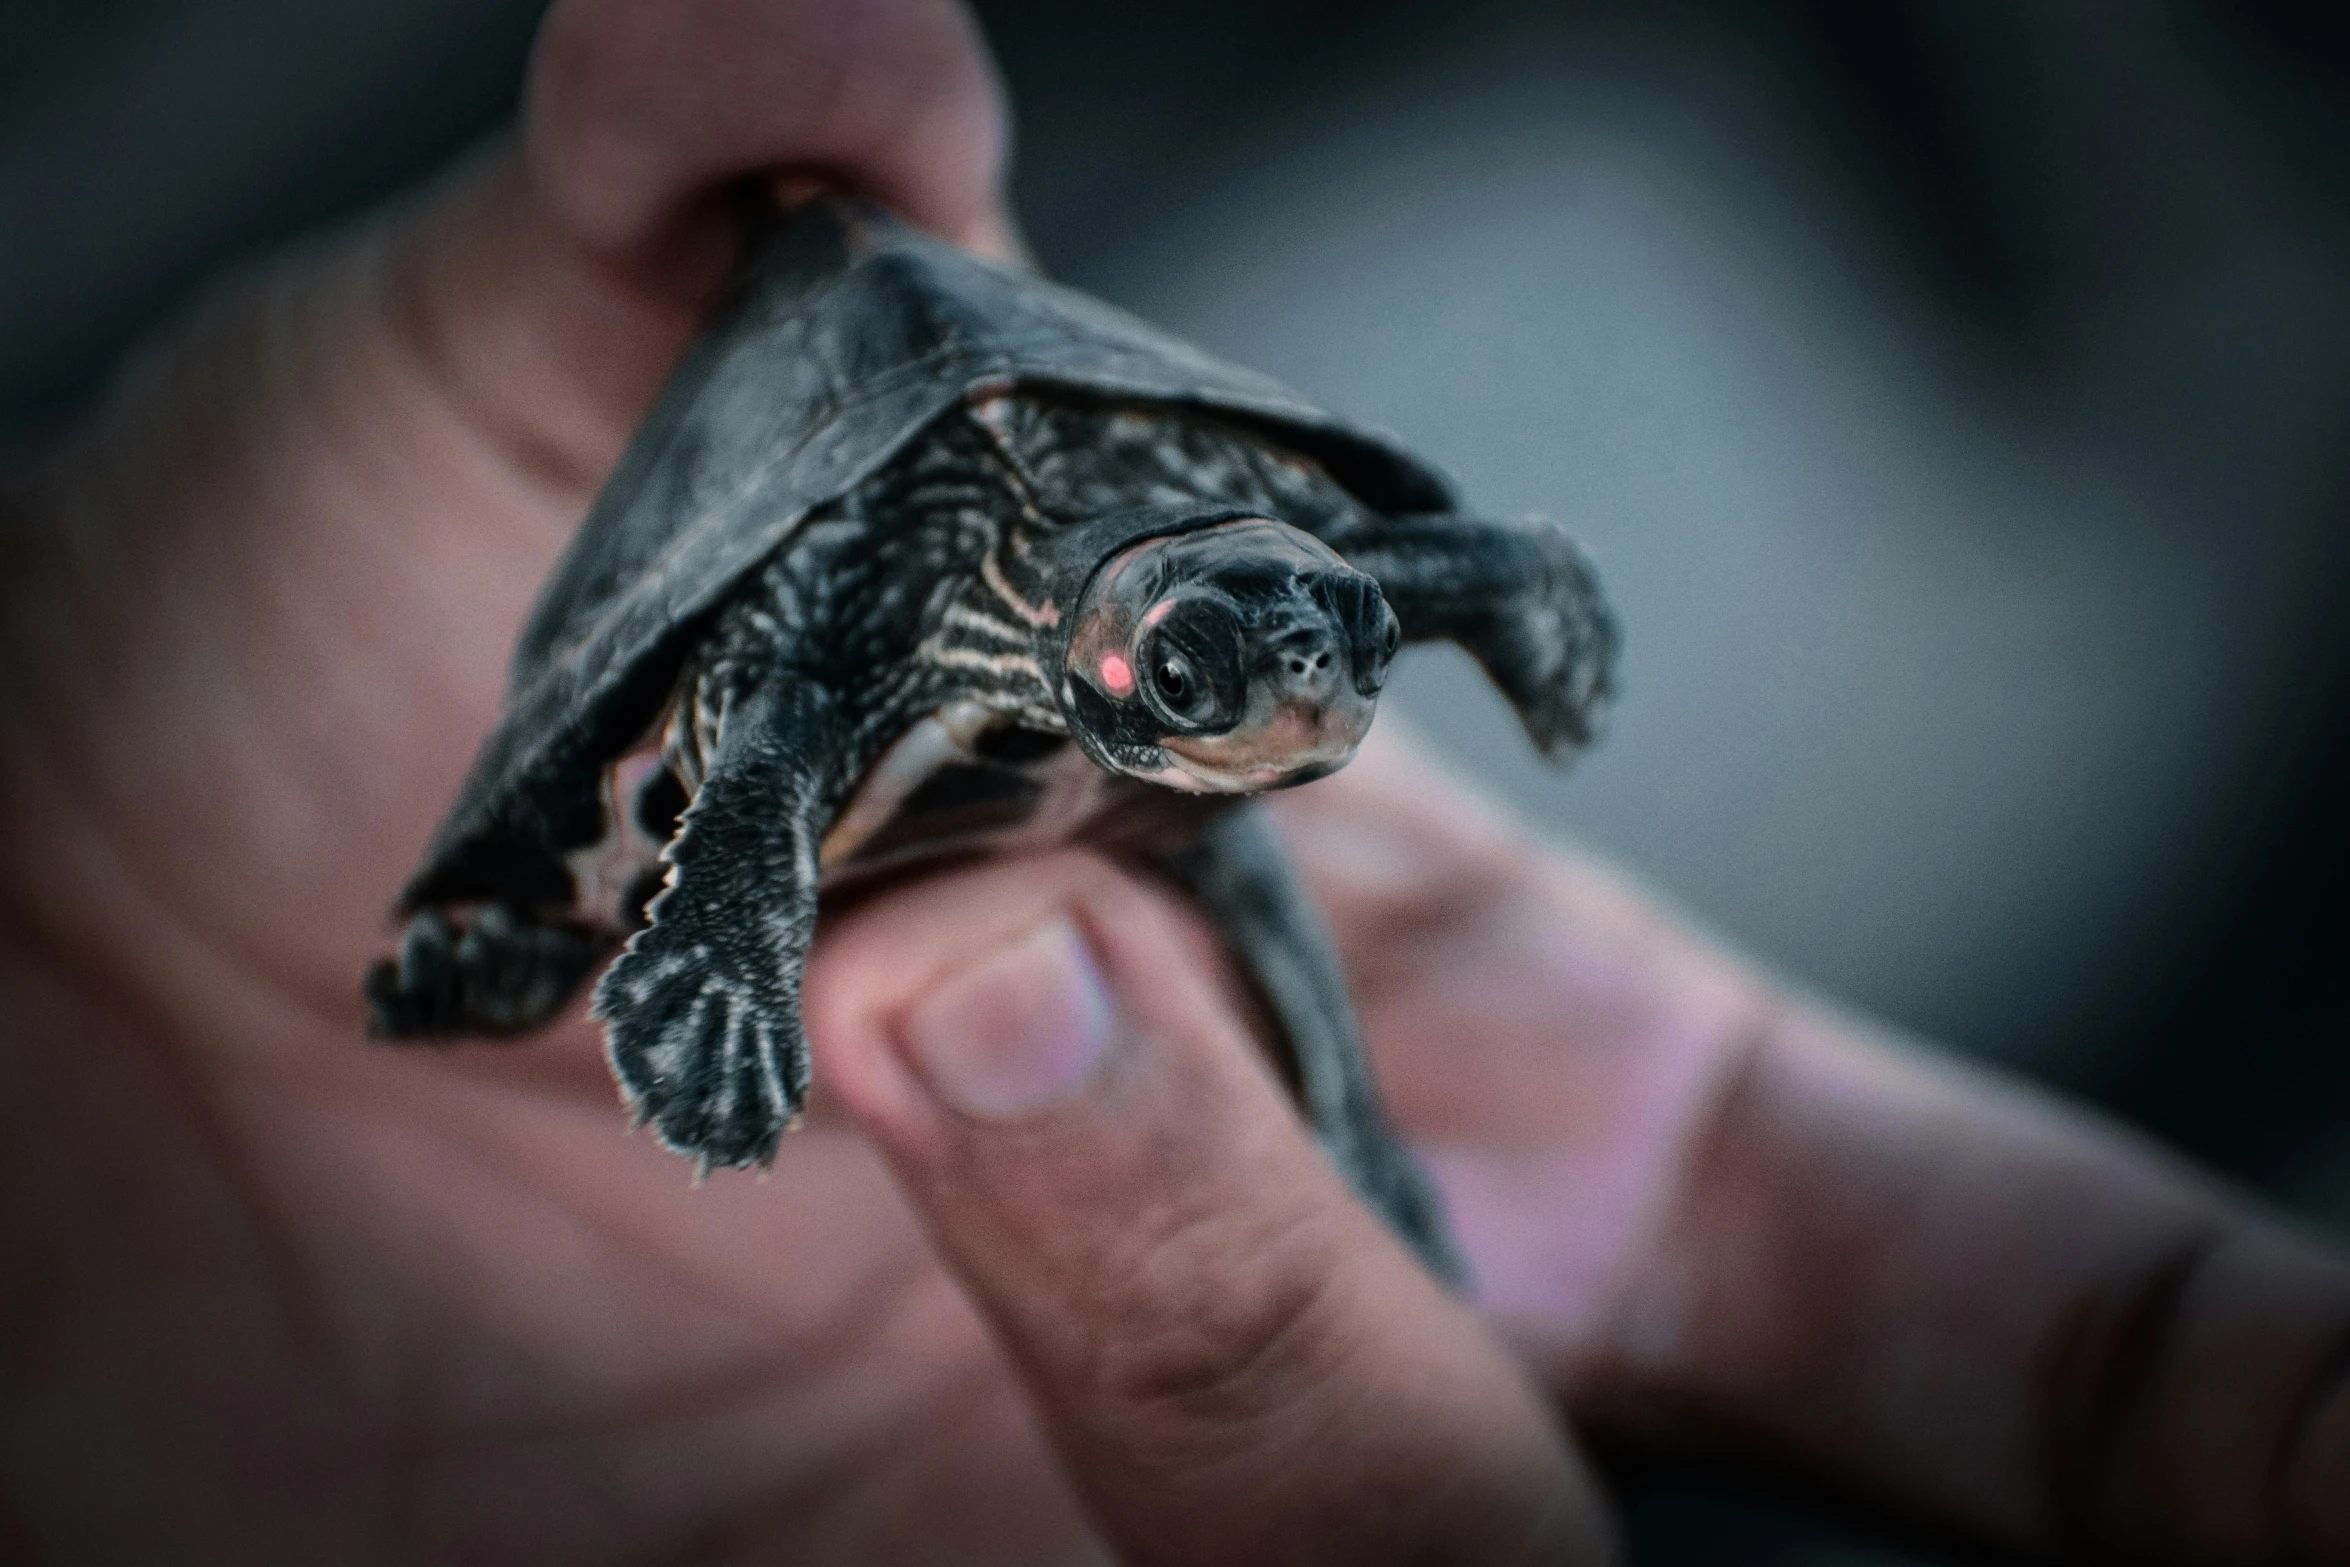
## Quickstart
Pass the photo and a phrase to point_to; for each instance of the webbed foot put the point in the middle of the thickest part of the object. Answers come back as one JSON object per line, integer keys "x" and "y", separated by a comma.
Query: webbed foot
{"x": 498, "y": 972}
{"x": 1520, "y": 596}
{"x": 702, "y": 1026}
{"x": 702, "y": 1009}
{"x": 1550, "y": 646}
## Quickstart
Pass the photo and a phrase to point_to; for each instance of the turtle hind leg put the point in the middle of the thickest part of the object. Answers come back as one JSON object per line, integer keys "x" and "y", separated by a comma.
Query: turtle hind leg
{"x": 1239, "y": 876}
{"x": 702, "y": 1010}
{"x": 498, "y": 972}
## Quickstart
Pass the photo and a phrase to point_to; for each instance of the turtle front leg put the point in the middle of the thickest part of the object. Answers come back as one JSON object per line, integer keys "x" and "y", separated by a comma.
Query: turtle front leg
{"x": 1239, "y": 876}
{"x": 1519, "y": 596}
{"x": 702, "y": 1009}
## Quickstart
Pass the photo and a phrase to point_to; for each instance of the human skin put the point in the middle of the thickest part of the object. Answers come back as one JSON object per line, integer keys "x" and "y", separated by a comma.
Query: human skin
{"x": 276, "y": 1293}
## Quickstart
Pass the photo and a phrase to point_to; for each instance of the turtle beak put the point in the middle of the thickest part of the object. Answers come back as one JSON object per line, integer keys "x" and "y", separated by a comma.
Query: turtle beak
{"x": 1307, "y": 709}
{"x": 1298, "y": 743}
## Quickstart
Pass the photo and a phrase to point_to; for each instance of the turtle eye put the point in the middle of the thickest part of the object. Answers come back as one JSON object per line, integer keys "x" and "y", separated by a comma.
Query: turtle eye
{"x": 1190, "y": 666}
{"x": 1181, "y": 690}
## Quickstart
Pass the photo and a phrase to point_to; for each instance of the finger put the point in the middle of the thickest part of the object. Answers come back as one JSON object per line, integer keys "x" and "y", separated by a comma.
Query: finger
{"x": 639, "y": 108}
{"x": 1237, "y": 1362}
{"x": 1910, "y": 1282}
{"x": 565, "y": 278}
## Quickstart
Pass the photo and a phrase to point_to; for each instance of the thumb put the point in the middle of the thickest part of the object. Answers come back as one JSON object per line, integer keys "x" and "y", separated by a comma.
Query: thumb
{"x": 1236, "y": 1361}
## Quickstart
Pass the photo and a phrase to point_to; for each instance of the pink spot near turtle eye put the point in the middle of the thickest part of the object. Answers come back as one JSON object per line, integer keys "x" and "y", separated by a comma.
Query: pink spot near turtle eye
{"x": 1158, "y": 612}
{"x": 1117, "y": 674}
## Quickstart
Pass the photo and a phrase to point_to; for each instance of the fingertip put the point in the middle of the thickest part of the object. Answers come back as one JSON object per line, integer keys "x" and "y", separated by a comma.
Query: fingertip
{"x": 641, "y": 113}
{"x": 1020, "y": 1032}
{"x": 1052, "y": 1023}
{"x": 1230, "y": 1350}
{"x": 994, "y": 233}
{"x": 878, "y": 964}
{"x": 885, "y": 952}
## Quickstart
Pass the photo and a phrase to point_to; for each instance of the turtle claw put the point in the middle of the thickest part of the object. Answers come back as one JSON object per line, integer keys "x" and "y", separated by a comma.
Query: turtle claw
{"x": 714, "y": 1064}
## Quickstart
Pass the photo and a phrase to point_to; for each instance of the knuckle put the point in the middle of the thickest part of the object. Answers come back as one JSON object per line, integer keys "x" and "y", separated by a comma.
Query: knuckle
{"x": 1227, "y": 1323}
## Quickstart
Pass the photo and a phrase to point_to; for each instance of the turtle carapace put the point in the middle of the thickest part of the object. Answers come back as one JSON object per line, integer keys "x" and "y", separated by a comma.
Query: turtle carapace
{"x": 918, "y": 558}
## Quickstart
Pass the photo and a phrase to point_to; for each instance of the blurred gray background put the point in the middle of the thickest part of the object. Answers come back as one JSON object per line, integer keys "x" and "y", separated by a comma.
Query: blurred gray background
{"x": 1953, "y": 394}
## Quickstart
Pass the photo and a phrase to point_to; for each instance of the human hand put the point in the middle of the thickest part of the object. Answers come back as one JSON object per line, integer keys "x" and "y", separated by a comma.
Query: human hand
{"x": 1732, "y": 1226}
{"x": 279, "y": 1294}
{"x": 283, "y": 1294}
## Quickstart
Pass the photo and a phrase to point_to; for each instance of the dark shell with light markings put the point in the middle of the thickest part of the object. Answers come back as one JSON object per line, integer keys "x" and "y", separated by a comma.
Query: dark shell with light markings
{"x": 859, "y": 332}
{"x": 919, "y": 556}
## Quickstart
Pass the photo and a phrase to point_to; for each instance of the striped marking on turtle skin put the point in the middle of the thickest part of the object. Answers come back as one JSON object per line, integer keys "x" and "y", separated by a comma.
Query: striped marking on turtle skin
{"x": 989, "y": 663}
{"x": 1034, "y": 463}
{"x": 1015, "y": 741}
{"x": 971, "y": 641}
{"x": 985, "y": 624}
{"x": 991, "y": 572}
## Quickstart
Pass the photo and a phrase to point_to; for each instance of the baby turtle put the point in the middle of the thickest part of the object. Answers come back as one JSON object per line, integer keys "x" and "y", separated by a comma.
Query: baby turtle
{"x": 915, "y": 557}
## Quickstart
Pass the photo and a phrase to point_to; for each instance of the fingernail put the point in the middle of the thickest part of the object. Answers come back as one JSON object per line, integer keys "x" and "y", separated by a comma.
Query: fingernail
{"x": 1018, "y": 1033}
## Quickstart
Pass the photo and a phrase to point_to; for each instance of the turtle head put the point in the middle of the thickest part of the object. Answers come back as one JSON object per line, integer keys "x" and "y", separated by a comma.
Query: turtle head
{"x": 1226, "y": 659}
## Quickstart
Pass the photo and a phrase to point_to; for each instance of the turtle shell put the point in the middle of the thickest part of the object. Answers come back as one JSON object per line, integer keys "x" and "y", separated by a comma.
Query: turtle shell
{"x": 846, "y": 334}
